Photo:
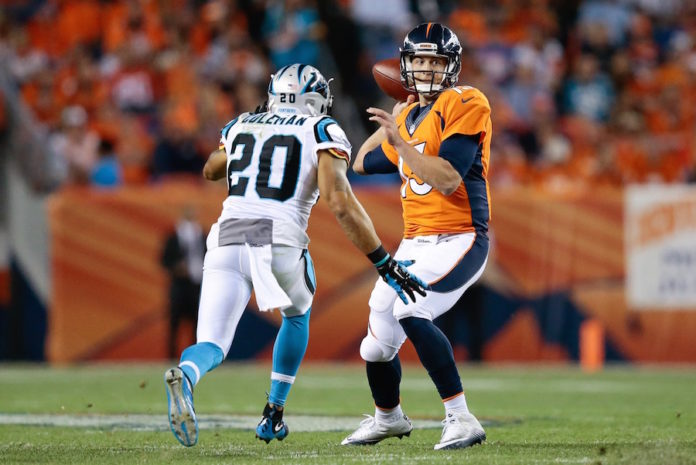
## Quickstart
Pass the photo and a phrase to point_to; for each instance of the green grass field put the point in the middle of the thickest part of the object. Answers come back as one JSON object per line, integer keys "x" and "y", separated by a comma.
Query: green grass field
{"x": 532, "y": 415}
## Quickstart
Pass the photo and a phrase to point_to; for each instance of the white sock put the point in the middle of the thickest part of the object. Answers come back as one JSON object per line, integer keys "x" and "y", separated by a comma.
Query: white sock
{"x": 456, "y": 404}
{"x": 388, "y": 416}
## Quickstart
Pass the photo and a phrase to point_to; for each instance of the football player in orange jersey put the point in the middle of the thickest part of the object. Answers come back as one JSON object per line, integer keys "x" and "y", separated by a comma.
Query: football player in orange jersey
{"x": 440, "y": 145}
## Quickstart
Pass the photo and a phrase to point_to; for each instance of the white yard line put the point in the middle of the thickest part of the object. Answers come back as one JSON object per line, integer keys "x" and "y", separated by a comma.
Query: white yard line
{"x": 139, "y": 422}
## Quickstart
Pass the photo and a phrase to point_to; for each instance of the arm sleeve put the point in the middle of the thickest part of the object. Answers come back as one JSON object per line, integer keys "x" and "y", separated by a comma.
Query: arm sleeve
{"x": 460, "y": 150}
{"x": 376, "y": 162}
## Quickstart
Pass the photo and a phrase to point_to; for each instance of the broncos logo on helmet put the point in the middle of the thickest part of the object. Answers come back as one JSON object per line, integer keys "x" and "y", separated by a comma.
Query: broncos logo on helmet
{"x": 301, "y": 89}
{"x": 431, "y": 39}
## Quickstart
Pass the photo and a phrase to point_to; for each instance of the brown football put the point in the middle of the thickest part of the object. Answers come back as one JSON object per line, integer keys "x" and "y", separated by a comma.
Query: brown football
{"x": 387, "y": 74}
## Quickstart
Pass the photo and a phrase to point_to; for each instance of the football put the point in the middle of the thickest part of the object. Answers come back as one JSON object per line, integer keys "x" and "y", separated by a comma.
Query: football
{"x": 387, "y": 74}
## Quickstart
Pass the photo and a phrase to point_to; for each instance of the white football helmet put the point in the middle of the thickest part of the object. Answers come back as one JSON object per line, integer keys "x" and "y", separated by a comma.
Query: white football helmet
{"x": 300, "y": 89}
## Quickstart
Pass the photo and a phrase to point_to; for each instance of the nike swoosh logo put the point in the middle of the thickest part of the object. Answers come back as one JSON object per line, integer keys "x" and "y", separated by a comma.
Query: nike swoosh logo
{"x": 277, "y": 427}
{"x": 466, "y": 100}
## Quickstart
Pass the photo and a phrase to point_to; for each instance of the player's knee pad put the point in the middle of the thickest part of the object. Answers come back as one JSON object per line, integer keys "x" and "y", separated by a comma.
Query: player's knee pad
{"x": 372, "y": 350}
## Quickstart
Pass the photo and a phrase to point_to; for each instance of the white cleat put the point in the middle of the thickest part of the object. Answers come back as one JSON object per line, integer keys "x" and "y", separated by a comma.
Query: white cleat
{"x": 371, "y": 431}
{"x": 182, "y": 417}
{"x": 460, "y": 430}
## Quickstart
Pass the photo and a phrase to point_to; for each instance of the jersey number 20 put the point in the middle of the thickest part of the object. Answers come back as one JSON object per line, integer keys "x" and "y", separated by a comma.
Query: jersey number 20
{"x": 237, "y": 185}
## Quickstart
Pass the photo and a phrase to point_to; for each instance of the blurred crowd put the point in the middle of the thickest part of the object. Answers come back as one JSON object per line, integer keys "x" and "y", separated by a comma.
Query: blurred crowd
{"x": 583, "y": 92}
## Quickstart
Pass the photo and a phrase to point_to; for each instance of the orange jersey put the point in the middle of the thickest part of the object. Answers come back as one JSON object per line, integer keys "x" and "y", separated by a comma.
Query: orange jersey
{"x": 459, "y": 110}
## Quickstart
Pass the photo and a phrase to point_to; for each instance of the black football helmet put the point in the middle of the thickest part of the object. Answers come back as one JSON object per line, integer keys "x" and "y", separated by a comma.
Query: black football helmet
{"x": 431, "y": 39}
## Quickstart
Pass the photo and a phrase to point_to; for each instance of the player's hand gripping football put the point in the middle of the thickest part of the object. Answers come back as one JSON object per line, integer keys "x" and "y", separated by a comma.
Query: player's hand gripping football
{"x": 399, "y": 106}
{"x": 394, "y": 273}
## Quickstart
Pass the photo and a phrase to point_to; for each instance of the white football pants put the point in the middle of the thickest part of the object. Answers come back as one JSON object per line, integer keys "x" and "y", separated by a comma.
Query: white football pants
{"x": 448, "y": 263}
{"x": 226, "y": 288}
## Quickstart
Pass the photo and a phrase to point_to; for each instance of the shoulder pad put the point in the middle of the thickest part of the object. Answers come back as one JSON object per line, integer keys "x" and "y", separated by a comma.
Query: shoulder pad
{"x": 226, "y": 129}
{"x": 466, "y": 94}
{"x": 464, "y": 110}
{"x": 320, "y": 132}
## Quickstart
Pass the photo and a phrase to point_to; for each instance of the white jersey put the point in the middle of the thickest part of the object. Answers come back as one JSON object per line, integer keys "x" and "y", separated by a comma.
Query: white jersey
{"x": 272, "y": 170}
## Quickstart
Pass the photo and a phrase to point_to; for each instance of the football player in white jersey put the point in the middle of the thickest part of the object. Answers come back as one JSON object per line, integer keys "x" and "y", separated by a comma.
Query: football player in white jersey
{"x": 276, "y": 163}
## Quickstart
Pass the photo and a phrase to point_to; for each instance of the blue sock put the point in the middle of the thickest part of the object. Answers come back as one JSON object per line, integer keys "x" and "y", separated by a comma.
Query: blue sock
{"x": 288, "y": 351}
{"x": 198, "y": 359}
{"x": 384, "y": 379}
{"x": 435, "y": 353}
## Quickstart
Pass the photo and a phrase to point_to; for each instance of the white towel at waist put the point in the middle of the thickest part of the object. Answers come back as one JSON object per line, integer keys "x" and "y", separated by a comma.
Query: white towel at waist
{"x": 269, "y": 294}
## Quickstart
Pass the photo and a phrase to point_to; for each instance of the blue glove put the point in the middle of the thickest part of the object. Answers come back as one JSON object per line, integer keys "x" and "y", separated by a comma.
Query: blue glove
{"x": 394, "y": 273}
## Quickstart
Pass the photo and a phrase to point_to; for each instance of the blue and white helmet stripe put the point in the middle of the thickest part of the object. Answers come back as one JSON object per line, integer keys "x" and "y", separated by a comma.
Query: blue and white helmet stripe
{"x": 300, "y": 68}
{"x": 278, "y": 75}
{"x": 299, "y": 88}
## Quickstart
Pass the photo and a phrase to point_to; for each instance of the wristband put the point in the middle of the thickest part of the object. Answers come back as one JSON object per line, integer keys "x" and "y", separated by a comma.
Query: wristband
{"x": 379, "y": 256}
